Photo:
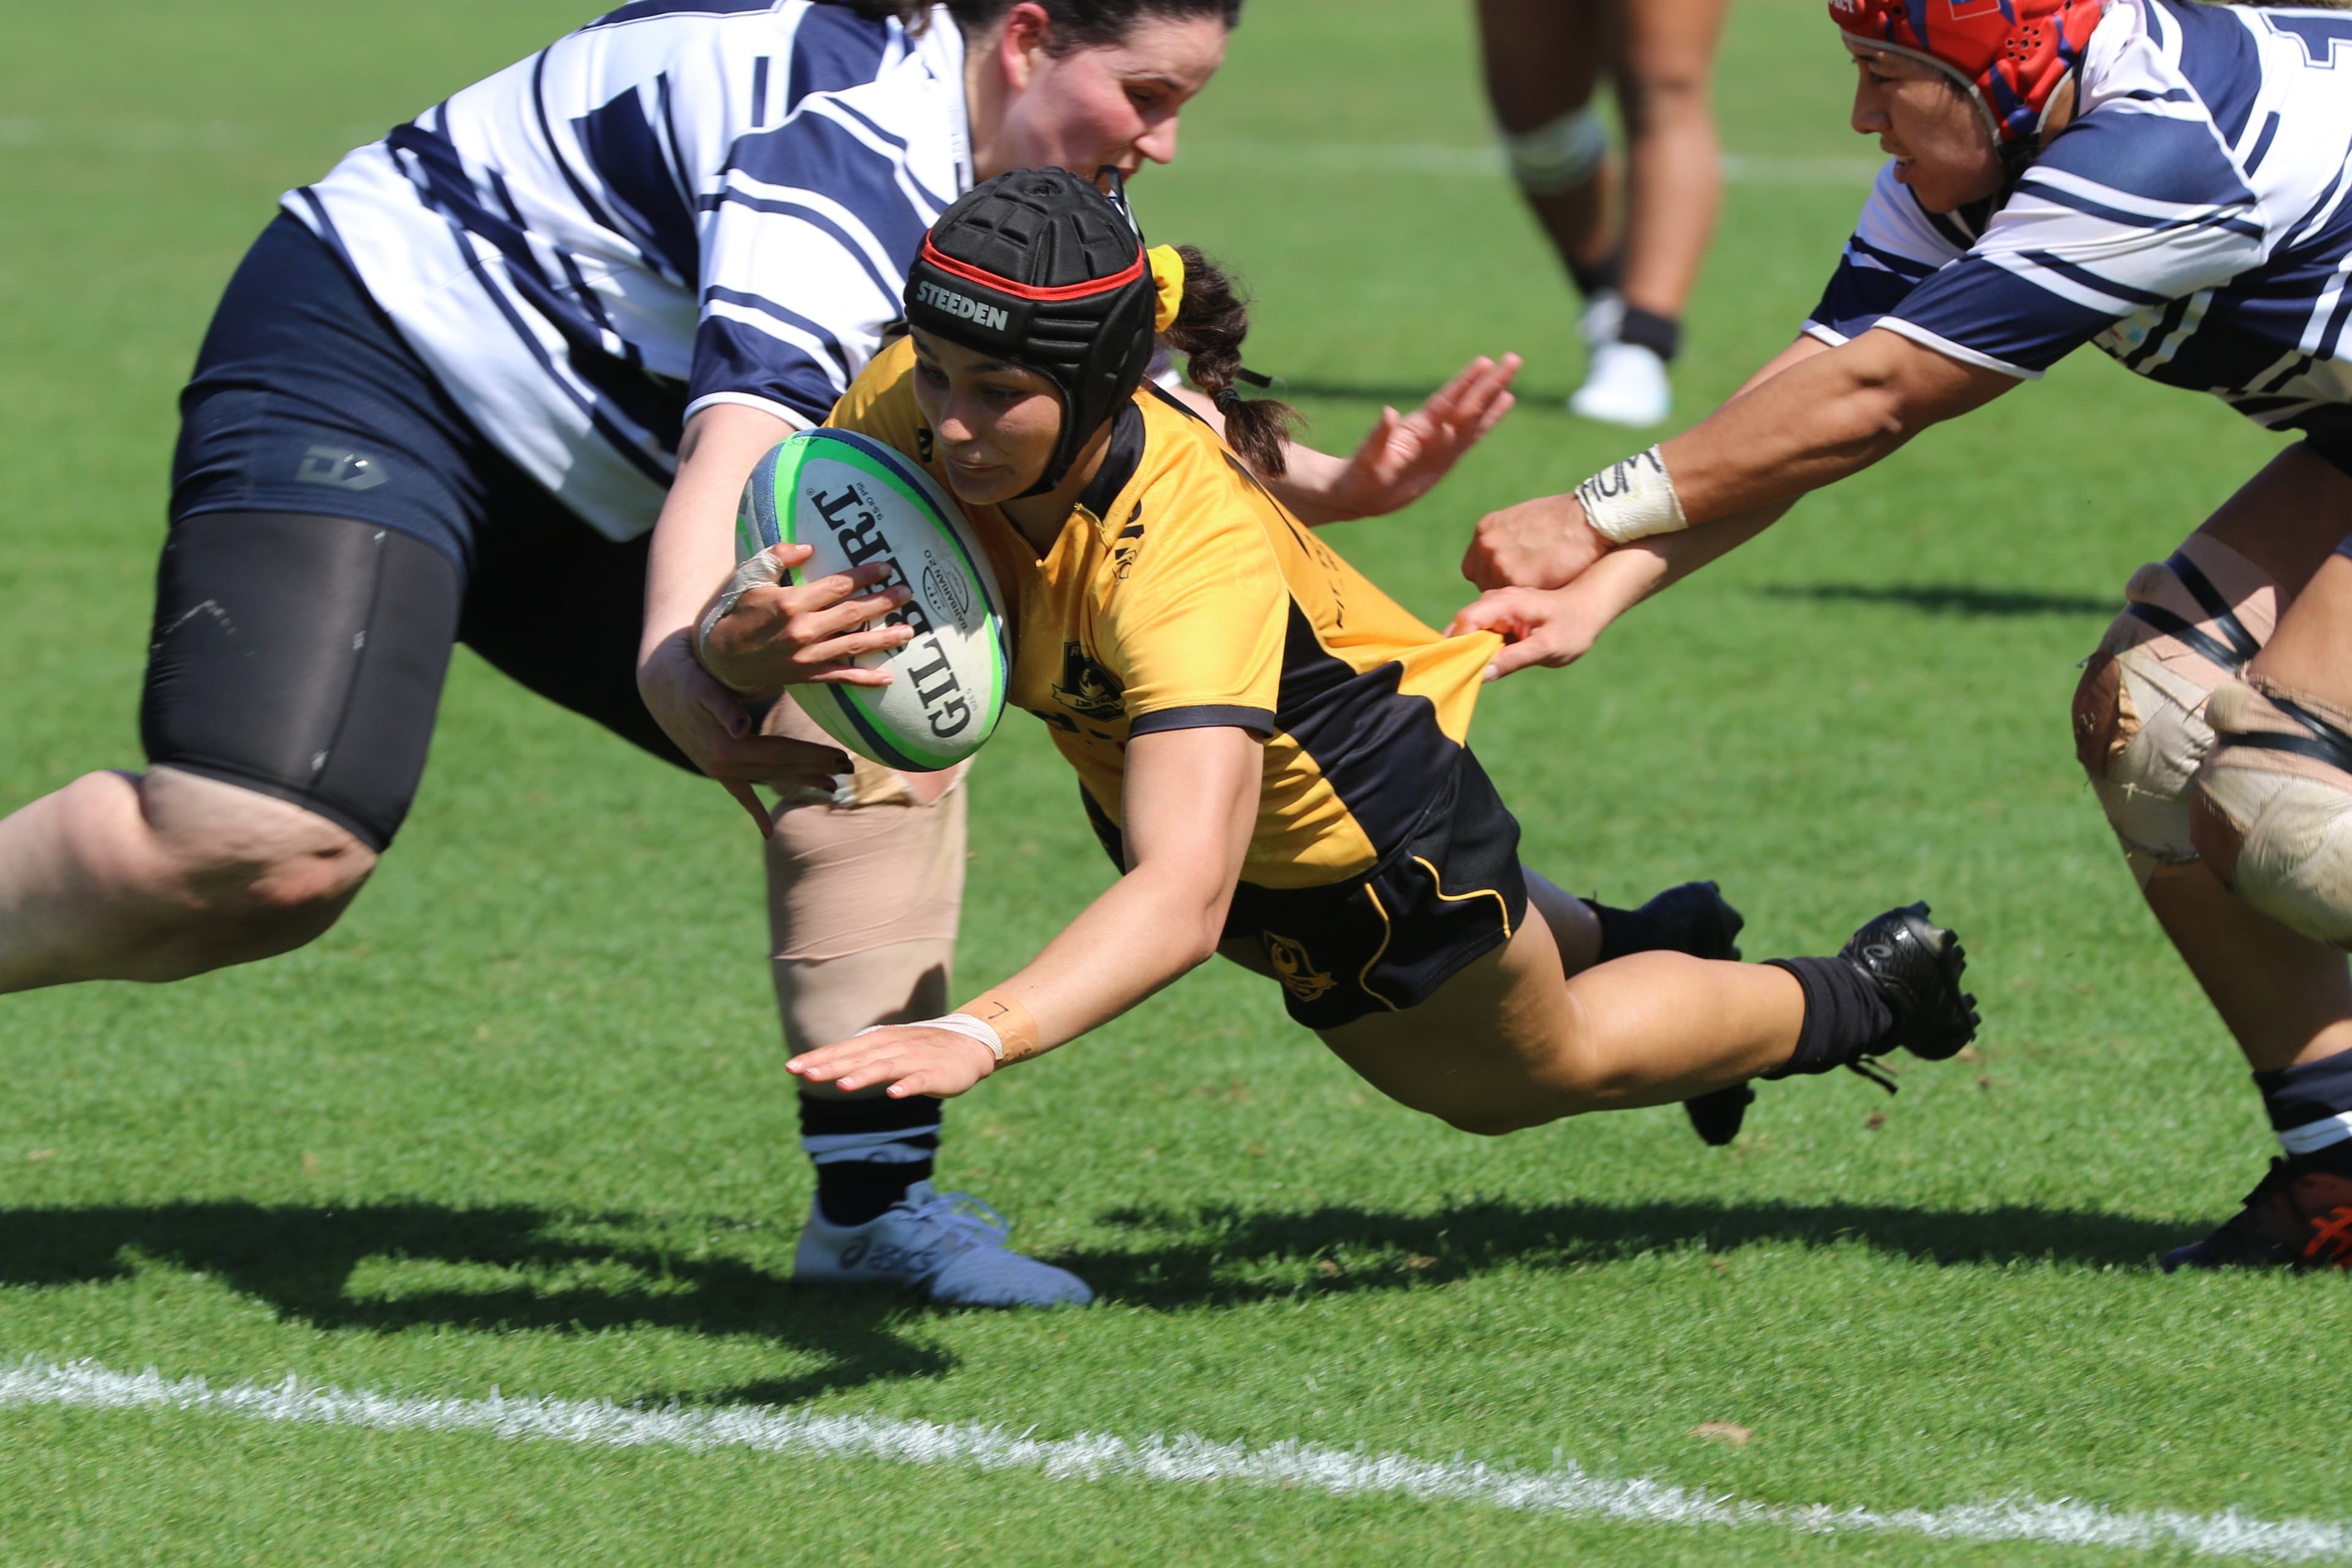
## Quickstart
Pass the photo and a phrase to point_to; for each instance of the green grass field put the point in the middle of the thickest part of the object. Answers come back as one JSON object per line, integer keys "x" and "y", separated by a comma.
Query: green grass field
{"x": 520, "y": 1121}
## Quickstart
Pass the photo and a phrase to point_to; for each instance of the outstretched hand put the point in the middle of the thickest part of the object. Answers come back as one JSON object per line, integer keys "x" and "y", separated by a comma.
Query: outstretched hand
{"x": 1406, "y": 454}
{"x": 907, "y": 1057}
{"x": 1547, "y": 626}
{"x": 1541, "y": 544}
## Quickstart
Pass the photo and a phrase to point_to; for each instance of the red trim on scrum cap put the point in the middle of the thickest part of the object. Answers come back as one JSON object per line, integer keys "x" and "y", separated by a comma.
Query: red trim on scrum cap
{"x": 971, "y": 274}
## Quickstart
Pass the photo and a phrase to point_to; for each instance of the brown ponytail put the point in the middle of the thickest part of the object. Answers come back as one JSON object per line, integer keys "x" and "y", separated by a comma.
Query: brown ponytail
{"x": 1208, "y": 329}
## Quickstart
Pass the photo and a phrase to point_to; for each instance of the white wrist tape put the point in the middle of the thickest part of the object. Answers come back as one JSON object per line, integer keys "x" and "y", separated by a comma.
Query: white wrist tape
{"x": 963, "y": 1024}
{"x": 758, "y": 570}
{"x": 1633, "y": 500}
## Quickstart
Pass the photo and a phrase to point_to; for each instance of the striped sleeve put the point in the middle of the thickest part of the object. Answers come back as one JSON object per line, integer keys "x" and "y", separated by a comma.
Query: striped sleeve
{"x": 2129, "y": 209}
{"x": 1896, "y": 245}
{"x": 819, "y": 211}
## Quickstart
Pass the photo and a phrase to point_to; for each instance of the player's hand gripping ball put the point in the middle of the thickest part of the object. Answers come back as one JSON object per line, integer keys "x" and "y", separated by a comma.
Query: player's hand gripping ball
{"x": 857, "y": 503}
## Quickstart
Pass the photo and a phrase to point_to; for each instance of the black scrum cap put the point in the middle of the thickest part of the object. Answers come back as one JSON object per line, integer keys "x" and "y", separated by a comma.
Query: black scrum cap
{"x": 1039, "y": 268}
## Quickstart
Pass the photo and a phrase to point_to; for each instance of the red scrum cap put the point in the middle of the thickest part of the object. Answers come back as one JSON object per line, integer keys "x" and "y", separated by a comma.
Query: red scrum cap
{"x": 2012, "y": 56}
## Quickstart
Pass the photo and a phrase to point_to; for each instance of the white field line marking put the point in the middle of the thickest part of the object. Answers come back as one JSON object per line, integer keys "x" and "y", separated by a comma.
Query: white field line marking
{"x": 1335, "y": 157}
{"x": 1182, "y": 1459}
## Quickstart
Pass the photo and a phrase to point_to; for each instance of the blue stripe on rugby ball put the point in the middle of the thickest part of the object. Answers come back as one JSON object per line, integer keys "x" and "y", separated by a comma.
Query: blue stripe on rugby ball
{"x": 847, "y": 713}
{"x": 869, "y": 741}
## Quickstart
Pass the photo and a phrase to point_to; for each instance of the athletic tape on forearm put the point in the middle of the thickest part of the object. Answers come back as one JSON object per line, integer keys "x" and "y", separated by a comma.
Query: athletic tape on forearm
{"x": 1014, "y": 1027}
{"x": 756, "y": 570}
{"x": 963, "y": 1024}
{"x": 1633, "y": 500}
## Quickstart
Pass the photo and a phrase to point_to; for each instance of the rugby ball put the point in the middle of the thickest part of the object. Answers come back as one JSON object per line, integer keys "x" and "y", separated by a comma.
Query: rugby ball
{"x": 857, "y": 501}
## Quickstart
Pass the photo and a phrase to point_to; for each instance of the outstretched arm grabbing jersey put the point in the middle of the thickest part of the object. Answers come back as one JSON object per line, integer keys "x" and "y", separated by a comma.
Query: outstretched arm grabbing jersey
{"x": 1811, "y": 418}
{"x": 1991, "y": 247}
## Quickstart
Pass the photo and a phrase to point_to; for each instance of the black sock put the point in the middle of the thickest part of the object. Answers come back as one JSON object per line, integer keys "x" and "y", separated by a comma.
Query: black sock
{"x": 868, "y": 1151}
{"x": 1600, "y": 276}
{"x": 1844, "y": 1016}
{"x": 1690, "y": 916}
{"x": 1626, "y": 931}
{"x": 1662, "y": 335}
{"x": 2311, "y": 1111}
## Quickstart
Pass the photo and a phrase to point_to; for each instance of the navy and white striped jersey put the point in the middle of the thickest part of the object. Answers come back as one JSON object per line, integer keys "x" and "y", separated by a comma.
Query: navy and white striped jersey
{"x": 686, "y": 202}
{"x": 2195, "y": 222}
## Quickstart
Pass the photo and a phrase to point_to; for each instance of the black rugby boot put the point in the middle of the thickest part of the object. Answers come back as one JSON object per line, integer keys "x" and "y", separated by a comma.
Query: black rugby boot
{"x": 1916, "y": 968}
{"x": 1692, "y": 918}
{"x": 1699, "y": 922}
{"x": 1716, "y": 1115}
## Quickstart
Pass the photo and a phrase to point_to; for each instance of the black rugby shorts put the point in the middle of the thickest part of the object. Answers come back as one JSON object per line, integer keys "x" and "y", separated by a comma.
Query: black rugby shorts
{"x": 337, "y": 524}
{"x": 1385, "y": 941}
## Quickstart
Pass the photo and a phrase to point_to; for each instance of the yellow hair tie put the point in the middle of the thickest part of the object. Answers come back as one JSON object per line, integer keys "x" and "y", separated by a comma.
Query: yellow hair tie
{"x": 1168, "y": 281}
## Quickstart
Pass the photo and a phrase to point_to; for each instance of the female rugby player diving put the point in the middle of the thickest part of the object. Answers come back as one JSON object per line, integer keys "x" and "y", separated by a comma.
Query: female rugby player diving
{"x": 446, "y": 398}
{"x": 2171, "y": 182}
{"x": 1269, "y": 748}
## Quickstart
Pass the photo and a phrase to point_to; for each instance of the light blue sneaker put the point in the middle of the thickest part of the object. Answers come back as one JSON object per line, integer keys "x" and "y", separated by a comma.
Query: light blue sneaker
{"x": 950, "y": 1246}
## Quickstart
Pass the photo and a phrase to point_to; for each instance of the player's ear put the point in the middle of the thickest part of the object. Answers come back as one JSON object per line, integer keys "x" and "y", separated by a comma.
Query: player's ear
{"x": 1024, "y": 43}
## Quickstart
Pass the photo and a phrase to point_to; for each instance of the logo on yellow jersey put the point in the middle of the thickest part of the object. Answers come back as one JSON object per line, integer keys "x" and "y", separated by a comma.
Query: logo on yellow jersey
{"x": 1129, "y": 545}
{"x": 1293, "y": 968}
{"x": 1087, "y": 688}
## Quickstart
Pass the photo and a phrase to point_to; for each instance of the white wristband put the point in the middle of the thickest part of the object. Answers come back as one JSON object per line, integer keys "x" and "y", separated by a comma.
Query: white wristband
{"x": 1633, "y": 500}
{"x": 963, "y": 1024}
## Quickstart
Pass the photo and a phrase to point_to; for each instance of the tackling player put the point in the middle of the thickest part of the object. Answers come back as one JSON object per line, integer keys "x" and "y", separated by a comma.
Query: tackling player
{"x": 445, "y": 398}
{"x": 2172, "y": 183}
{"x": 1271, "y": 750}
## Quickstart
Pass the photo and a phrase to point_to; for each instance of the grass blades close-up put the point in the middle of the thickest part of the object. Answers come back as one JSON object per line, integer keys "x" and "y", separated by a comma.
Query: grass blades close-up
{"x": 519, "y": 1126}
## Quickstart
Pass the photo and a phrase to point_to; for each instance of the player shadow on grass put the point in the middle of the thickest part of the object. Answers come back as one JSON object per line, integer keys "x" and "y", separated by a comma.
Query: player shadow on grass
{"x": 1948, "y": 598}
{"x": 509, "y": 1268}
{"x": 1231, "y": 1255}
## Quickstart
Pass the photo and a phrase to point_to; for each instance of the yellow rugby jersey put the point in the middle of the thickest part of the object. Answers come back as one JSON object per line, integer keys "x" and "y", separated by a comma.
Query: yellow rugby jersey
{"x": 1180, "y": 595}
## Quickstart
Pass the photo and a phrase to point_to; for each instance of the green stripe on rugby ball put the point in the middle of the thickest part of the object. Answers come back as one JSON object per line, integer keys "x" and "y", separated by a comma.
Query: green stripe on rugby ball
{"x": 963, "y": 655}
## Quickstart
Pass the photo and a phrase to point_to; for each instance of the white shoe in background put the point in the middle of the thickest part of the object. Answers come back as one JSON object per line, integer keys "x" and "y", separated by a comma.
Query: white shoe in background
{"x": 1626, "y": 384}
